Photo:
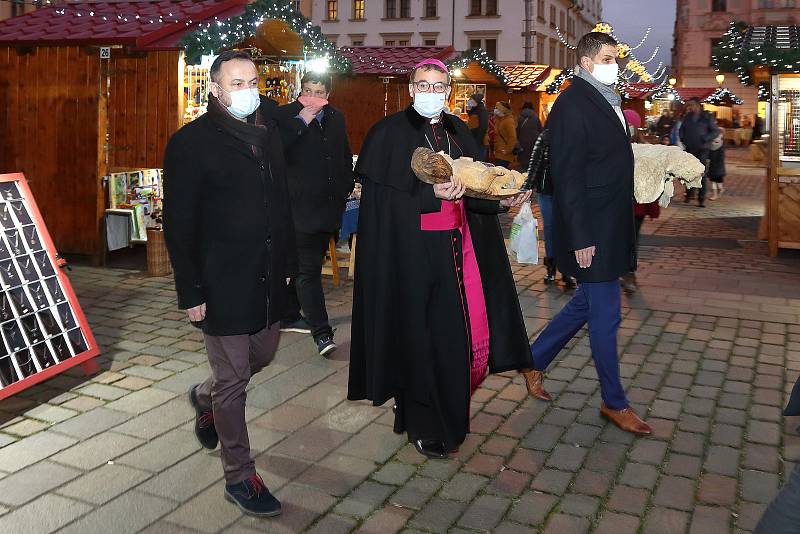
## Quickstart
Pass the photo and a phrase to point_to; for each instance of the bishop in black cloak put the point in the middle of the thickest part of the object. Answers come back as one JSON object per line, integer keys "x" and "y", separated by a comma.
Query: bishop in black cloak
{"x": 435, "y": 305}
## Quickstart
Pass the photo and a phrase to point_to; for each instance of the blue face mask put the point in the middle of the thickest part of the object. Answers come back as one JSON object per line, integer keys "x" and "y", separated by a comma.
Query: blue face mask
{"x": 243, "y": 102}
{"x": 429, "y": 105}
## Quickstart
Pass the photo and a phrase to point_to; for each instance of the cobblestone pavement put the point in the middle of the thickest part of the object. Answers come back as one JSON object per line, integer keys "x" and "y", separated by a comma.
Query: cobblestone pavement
{"x": 709, "y": 348}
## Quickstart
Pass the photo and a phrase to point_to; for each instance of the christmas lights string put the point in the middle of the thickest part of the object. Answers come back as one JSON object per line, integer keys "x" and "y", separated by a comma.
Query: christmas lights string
{"x": 655, "y": 53}
{"x": 745, "y": 47}
{"x": 564, "y": 40}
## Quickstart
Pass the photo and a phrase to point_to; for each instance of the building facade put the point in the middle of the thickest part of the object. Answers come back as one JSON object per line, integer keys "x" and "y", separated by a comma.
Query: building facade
{"x": 700, "y": 25}
{"x": 12, "y": 8}
{"x": 509, "y": 31}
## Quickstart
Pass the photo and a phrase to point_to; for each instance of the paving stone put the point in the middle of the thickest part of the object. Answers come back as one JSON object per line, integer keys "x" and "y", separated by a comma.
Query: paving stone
{"x": 499, "y": 446}
{"x": 648, "y": 452}
{"x": 710, "y": 520}
{"x": 628, "y": 499}
{"x": 716, "y": 489}
{"x": 27, "y": 484}
{"x": 159, "y": 420}
{"x": 727, "y": 435}
{"x": 337, "y": 474}
{"x": 364, "y": 499}
{"x": 162, "y": 452}
{"x": 30, "y": 450}
{"x": 567, "y": 524}
{"x": 611, "y": 523}
{"x": 185, "y": 479}
{"x": 532, "y": 508}
{"x": 395, "y": 473}
{"x": 103, "y": 391}
{"x": 26, "y": 427}
{"x": 333, "y": 524}
{"x": 485, "y": 512}
{"x": 592, "y": 483}
{"x": 386, "y": 521}
{"x": 97, "y": 450}
{"x": 82, "y": 403}
{"x": 527, "y": 461}
{"x": 639, "y": 476}
{"x": 130, "y": 512}
{"x": 605, "y": 457}
{"x": 206, "y": 512}
{"x": 661, "y": 520}
{"x": 551, "y": 481}
{"x": 566, "y": 457}
{"x": 759, "y": 487}
{"x": 51, "y": 414}
{"x": 675, "y": 492}
{"x": 761, "y": 458}
{"x": 438, "y": 515}
{"x": 375, "y": 442}
{"x": 440, "y": 469}
{"x": 509, "y": 482}
{"x": 688, "y": 443}
{"x": 579, "y": 505}
{"x": 722, "y": 461}
{"x": 141, "y": 401}
{"x": 416, "y": 492}
{"x": 542, "y": 437}
{"x": 463, "y": 487}
{"x": 762, "y": 432}
{"x": 91, "y": 423}
{"x": 287, "y": 417}
{"x": 31, "y": 517}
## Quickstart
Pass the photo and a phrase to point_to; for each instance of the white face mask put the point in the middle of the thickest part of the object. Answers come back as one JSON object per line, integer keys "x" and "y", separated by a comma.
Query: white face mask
{"x": 243, "y": 102}
{"x": 606, "y": 73}
{"x": 429, "y": 105}
{"x": 498, "y": 113}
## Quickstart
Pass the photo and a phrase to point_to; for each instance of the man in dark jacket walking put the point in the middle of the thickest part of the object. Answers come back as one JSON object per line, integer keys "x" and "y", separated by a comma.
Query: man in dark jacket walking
{"x": 528, "y": 129}
{"x": 592, "y": 166}
{"x": 230, "y": 239}
{"x": 697, "y": 131}
{"x": 320, "y": 179}
{"x": 478, "y": 124}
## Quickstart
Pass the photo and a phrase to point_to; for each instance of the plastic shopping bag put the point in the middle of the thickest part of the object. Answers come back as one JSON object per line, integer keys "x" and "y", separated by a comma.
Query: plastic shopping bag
{"x": 523, "y": 239}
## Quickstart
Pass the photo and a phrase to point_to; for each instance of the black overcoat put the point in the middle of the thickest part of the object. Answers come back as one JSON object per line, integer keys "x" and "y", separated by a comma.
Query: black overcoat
{"x": 592, "y": 173}
{"x": 320, "y": 168}
{"x": 396, "y": 337}
{"x": 227, "y": 225}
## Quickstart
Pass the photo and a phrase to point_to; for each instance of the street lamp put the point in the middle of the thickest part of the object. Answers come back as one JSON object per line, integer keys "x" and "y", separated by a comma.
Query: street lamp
{"x": 720, "y": 79}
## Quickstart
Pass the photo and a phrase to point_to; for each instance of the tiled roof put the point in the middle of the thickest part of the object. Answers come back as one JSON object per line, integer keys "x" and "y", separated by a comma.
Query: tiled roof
{"x": 701, "y": 93}
{"x": 141, "y": 24}
{"x": 393, "y": 60}
{"x": 524, "y": 76}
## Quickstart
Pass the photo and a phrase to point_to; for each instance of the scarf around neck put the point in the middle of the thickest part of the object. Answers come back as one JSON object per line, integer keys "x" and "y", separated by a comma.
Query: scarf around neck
{"x": 608, "y": 91}
{"x": 253, "y": 132}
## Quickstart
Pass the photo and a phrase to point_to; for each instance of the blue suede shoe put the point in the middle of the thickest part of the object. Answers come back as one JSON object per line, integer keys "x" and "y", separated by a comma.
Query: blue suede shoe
{"x": 253, "y": 498}
{"x": 204, "y": 427}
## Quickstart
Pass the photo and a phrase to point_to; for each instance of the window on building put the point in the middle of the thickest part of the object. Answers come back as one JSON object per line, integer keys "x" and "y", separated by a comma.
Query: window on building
{"x": 405, "y": 9}
{"x": 388, "y": 42}
{"x": 475, "y": 7}
{"x": 358, "y": 9}
{"x": 391, "y": 9}
{"x": 540, "y": 50}
{"x": 714, "y": 42}
{"x": 719, "y": 5}
{"x": 563, "y": 57}
{"x": 540, "y": 10}
{"x": 430, "y": 42}
{"x": 333, "y": 39}
{"x": 552, "y": 56}
{"x": 296, "y": 5}
{"x": 430, "y": 8}
{"x": 358, "y": 42}
{"x": 475, "y": 43}
{"x": 562, "y": 21}
{"x": 491, "y": 48}
{"x": 553, "y": 16}
{"x": 491, "y": 7}
{"x": 333, "y": 10}
{"x": 402, "y": 43}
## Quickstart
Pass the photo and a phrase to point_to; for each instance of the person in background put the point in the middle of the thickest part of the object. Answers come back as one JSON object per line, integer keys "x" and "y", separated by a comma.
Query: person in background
{"x": 665, "y": 123}
{"x": 230, "y": 238}
{"x": 478, "y": 124}
{"x": 541, "y": 181}
{"x": 592, "y": 163}
{"x": 674, "y": 138}
{"x": 505, "y": 138}
{"x": 698, "y": 130}
{"x": 435, "y": 306}
{"x": 528, "y": 129}
{"x": 716, "y": 166}
{"x": 320, "y": 165}
{"x": 640, "y": 211}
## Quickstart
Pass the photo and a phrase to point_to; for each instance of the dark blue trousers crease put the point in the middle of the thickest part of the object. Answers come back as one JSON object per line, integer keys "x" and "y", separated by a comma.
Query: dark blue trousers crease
{"x": 598, "y": 304}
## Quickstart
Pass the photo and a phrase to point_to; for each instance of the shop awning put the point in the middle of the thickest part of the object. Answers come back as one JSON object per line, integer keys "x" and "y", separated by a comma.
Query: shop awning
{"x": 526, "y": 77}
{"x": 393, "y": 60}
{"x": 148, "y": 25}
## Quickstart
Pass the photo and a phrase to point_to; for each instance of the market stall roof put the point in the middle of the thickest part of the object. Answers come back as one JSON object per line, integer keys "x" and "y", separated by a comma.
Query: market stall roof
{"x": 744, "y": 48}
{"x": 640, "y": 90}
{"x": 700, "y": 93}
{"x": 525, "y": 76}
{"x": 140, "y": 24}
{"x": 393, "y": 60}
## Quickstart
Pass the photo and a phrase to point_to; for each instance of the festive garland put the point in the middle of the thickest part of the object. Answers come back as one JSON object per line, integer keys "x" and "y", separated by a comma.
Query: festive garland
{"x": 664, "y": 91}
{"x": 210, "y": 38}
{"x": 763, "y": 92}
{"x": 720, "y": 95}
{"x": 733, "y": 56}
{"x": 482, "y": 58}
{"x": 555, "y": 86}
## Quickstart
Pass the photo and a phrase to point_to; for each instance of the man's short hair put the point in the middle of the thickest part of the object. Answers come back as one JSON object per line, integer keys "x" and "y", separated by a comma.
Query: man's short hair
{"x": 317, "y": 77}
{"x": 228, "y": 55}
{"x": 694, "y": 99}
{"x": 427, "y": 68}
{"x": 591, "y": 44}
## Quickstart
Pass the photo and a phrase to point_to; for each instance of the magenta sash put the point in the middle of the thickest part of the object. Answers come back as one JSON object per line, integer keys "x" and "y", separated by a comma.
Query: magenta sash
{"x": 452, "y": 216}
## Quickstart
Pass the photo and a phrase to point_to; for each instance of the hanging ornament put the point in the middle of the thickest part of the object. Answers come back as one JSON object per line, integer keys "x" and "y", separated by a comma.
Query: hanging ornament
{"x": 603, "y": 27}
{"x": 623, "y": 50}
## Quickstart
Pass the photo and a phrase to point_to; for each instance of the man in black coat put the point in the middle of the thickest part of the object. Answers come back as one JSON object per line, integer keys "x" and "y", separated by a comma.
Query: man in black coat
{"x": 434, "y": 303}
{"x": 229, "y": 235}
{"x": 593, "y": 229}
{"x": 697, "y": 131}
{"x": 478, "y": 124}
{"x": 528, "y": 129}
{"x": 320, "y": 167}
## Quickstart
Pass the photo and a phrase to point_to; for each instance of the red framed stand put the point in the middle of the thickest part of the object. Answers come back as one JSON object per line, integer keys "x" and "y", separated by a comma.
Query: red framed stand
{"x": 84, "y": 358}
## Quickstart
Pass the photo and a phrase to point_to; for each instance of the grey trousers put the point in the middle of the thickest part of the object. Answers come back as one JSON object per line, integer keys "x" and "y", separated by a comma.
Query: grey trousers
{"x": 233, "y": 360}
{"x": 782, "y": 516}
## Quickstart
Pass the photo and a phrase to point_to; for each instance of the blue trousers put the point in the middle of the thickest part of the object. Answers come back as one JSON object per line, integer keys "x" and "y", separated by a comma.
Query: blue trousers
{"x": 596, "y": 303}
{"x": 546, "y": 207}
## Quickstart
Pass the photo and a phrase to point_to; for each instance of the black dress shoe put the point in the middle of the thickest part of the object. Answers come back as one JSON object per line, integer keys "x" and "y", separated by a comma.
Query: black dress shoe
{"x": 204, "y": 427}
{"x": 431, "y": 448}
{"x": 253, "y": 498}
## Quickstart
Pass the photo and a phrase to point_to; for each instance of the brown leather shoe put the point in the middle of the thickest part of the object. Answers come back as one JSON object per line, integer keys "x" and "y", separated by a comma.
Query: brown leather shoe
{"x": 535, "y": 382}
{"x": 626, "y": 420}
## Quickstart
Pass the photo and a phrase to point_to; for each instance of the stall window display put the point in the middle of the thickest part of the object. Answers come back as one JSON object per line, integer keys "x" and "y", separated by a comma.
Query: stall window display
{"x": 41, "y": 324}
{"x": 135, "y": 204}
{"x": 463, "y": 91}
{"x": 789, "y": 119}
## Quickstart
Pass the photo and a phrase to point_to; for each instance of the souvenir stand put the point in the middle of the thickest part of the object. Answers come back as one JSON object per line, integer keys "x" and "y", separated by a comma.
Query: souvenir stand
{"x": 770, "y": 55}
{"x": 102, "y": 85}
{"x": 43, "y": 330}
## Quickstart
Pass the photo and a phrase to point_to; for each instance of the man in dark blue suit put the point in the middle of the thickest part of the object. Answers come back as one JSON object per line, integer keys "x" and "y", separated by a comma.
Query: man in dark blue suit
{"x": 593, "y": 226}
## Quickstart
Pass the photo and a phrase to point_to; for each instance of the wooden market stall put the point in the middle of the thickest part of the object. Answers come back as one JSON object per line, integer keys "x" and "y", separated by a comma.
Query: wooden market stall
{"x": 92, "y": 88}
{"x": 771, "y": 54}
